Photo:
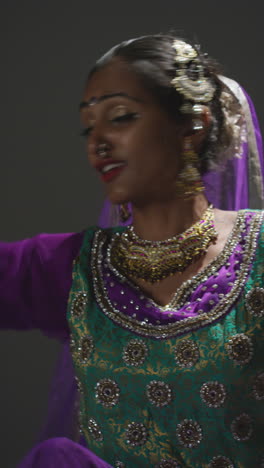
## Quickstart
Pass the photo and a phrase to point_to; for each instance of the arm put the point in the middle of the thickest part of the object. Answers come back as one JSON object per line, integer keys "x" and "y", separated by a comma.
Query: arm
{"x": 35, "y": 279}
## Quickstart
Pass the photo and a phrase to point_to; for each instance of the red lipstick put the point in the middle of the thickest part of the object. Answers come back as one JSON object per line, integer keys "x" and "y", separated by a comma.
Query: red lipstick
{"x": 112, "y": 173}
{"x": 109, "y": 168}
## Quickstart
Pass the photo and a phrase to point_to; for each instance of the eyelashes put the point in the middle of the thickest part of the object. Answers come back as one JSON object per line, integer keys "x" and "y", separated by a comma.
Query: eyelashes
{"x": 118, "y": 119}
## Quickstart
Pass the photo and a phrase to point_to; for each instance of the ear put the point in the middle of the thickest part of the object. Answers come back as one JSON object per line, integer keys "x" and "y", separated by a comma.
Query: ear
{"x": 199, "y": 126}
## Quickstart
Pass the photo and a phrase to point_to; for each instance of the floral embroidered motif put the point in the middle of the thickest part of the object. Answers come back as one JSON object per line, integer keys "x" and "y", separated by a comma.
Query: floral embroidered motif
{"x": 136, "y": 434}
{"x": 255, "y": 301}
{"x": 159, "y": 393}
{"x": 135, "y": 352}
{"x": 189, "y": 433}
{"x": 258, "y": 387}
{"x": 186, "y": 353}
{"x": 107, "y": 392}
{"x": 213, "y": 394}
{"x": 94, "y": 430}
{"x": 241, "y": 427}
{"x": 240, "y": 348}
{"x": 79, "y": 304}
{"x": 85, "y": 348}
{"x": 220, "y": 462}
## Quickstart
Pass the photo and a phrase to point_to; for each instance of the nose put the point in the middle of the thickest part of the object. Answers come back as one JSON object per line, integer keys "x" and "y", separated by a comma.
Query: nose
{"x": 99, "y": 143}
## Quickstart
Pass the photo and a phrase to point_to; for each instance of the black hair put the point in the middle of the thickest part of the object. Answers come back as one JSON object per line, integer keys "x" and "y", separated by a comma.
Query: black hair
{"x": 153, "y": 59}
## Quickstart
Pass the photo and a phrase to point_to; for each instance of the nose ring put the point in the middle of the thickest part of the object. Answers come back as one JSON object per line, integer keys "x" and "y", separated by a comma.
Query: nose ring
{"x": 102, "y": 150}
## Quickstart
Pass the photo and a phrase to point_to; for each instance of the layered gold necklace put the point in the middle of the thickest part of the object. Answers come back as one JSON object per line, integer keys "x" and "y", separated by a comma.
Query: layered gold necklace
{"x": 155, "y": 260}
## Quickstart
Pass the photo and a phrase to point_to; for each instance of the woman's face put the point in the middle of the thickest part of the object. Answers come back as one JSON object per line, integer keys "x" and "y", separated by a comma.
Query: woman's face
{"x": 143, "y": 144}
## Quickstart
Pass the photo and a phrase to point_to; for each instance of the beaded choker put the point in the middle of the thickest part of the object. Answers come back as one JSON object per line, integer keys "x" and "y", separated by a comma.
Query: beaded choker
{"x": 153, "y": 261}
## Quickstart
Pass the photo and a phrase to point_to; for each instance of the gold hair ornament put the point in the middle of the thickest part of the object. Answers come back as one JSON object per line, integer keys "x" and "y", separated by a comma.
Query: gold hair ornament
{"x": 190, "y": 81}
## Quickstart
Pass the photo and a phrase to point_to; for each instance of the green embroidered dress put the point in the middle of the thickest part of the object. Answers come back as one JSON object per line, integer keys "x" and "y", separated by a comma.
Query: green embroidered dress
{"x": 175, "y": 386}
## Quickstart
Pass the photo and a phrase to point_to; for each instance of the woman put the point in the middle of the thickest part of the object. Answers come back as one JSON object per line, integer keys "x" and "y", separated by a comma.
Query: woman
{"x": 164, "y": 316}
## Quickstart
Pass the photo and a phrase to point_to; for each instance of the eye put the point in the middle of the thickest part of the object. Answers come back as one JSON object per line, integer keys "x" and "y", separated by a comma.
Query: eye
{"x": 117, "y": 119}
{"x": 125, "y": 117}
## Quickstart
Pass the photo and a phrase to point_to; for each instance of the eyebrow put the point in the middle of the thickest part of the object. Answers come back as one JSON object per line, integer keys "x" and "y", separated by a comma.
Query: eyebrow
{"x": 95, "y": 100}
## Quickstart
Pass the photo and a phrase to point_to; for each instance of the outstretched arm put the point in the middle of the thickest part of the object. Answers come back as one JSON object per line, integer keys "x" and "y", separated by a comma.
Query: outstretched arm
{"x": 35, "y": 279}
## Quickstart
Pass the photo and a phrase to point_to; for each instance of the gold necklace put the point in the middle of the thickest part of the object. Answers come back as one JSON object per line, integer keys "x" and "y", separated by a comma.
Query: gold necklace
{"x": 155, "y": 260}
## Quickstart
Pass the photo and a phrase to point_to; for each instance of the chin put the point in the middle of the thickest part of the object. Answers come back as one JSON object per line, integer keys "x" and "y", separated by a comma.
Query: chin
{"x": 118, "y": 196}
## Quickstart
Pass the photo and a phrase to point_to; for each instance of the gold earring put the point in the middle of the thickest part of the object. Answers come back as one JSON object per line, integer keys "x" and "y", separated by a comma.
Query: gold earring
{"x": 124, "y": 213}
{"x": 189, "y": 181}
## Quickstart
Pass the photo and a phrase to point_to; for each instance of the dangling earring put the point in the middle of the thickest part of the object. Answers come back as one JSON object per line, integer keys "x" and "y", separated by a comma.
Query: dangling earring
{"x": 124, "y": 213}
{"x": 189, "y": 181}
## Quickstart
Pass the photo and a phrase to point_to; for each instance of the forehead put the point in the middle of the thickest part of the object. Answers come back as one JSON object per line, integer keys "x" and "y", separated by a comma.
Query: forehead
{"x": 115, "y": 77}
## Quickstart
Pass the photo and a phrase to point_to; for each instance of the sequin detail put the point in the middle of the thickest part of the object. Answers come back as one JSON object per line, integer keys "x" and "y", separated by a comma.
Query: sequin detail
{"x": 136, "y": 434}
{"x": 107, "y": 392}
{"x": 119, "y": 464}
{"x": 186, "y": 353}
{"x": 258, "y": 387}
{"x": 168, "y": 464}
{"x": 255, "y": 301}
{"x": 135, "y": 352}
{"x": 85, "y": 348}
{"x": 79, "y": 304}
{"x": 94, "y": 430}
{"x": 241, "y": 427}
{"x": 189, "y": 433}
{"x": 213, "y": 394}
{"x": 159, "y": 393}
{"x": 220, "y": 462}
{"x": 240, "y": 348}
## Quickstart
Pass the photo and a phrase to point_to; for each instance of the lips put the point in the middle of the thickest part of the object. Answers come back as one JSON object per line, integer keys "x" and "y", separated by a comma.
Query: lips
{"x": 109, "y": 169}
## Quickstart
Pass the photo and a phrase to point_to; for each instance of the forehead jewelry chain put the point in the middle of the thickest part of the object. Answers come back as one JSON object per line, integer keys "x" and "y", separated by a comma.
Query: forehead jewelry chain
{"x": 153, "y": 261}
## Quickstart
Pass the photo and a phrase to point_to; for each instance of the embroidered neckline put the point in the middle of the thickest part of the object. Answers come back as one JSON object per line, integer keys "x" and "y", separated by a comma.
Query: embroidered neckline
{"x": 179, "y": 299}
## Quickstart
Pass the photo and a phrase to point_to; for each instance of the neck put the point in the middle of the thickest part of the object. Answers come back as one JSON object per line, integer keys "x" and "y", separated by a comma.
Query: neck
{"x": 162, "y": 220}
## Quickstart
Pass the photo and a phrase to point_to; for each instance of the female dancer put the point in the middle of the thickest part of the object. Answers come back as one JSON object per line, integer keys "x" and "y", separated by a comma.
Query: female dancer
{"x": 164, "y": 315}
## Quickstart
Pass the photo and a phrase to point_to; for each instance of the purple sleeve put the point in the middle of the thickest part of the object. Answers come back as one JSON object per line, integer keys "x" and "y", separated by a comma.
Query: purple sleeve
{"x": 35, "y": 279}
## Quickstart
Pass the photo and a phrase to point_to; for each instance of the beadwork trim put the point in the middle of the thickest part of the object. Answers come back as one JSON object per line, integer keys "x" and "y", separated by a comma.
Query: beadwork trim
{"x": 189, "y": 433}
{"x": 135, "y": 352}
{"x": 158, "y": 331}
{"x": 168, "y": 463}
{"x": 94, "y": 430}
{"x": 159, "y": 393}
{"x": 220, "y": 462}
{"x": 240, "y": 348}
{"x": 79, "y": 304}
{"x": 255, "y": 302}
{"x": 186, "y": 353}
{"x": 258, "y": 387}
{"x": 107, "y": 392}
{"x": 136, "y": 434}
{"x": 241, "y": 427}
{"x": 213, "y": 394}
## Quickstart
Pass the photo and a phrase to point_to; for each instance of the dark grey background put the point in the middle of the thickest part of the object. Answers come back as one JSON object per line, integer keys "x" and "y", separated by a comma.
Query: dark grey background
{"x": 46, "y": 185}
